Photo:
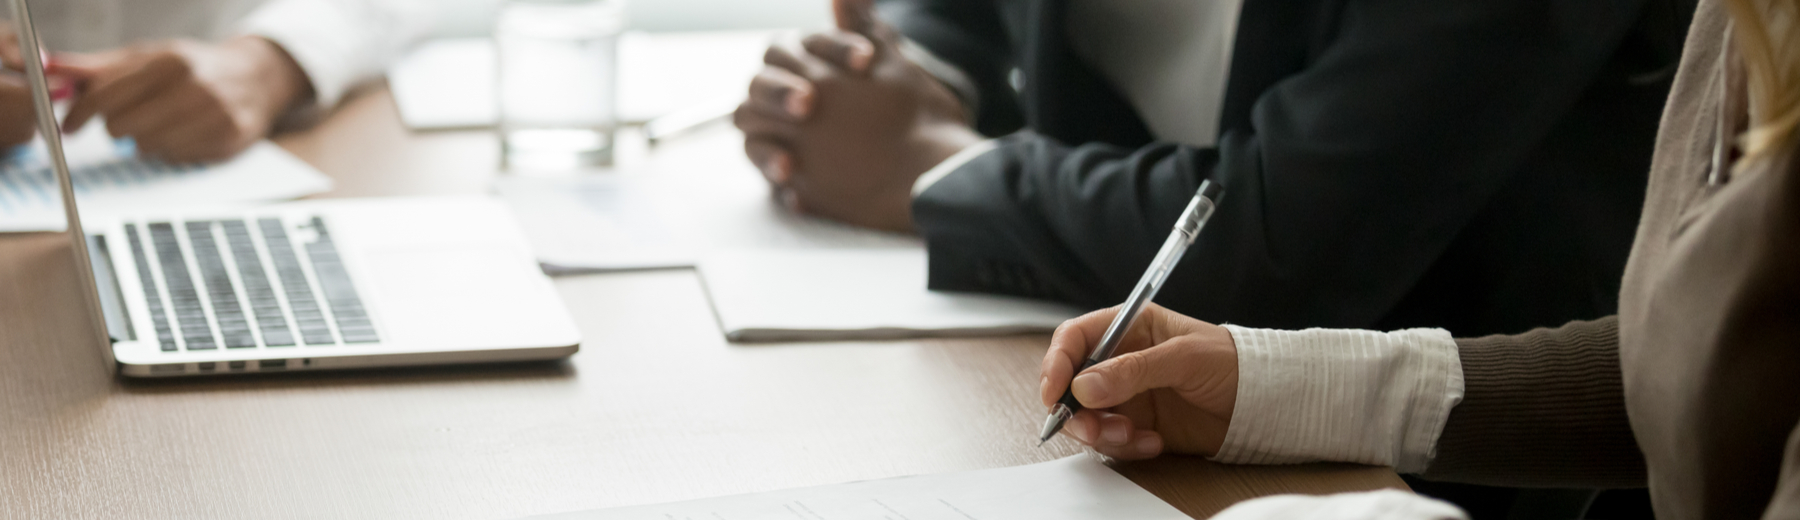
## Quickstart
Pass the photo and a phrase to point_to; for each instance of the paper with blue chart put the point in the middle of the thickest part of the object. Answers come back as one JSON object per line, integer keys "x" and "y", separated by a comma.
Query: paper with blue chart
{"x": 110, "y": 178}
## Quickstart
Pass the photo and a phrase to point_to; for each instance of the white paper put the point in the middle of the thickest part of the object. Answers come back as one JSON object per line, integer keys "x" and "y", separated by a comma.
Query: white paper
{"x": 778, "y": 295}
{"x": 622, "y": 221}
{"x": 449, "y": 83}
{"x": 1073, "y": 488}
{"x": 109, "y": 178}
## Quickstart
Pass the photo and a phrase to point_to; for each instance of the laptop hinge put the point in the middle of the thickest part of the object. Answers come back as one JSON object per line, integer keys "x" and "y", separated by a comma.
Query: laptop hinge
{"x": 112, "y": 299}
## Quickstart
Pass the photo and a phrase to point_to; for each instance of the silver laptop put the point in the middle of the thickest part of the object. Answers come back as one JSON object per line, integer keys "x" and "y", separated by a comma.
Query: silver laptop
{"x": 307, "y": 285}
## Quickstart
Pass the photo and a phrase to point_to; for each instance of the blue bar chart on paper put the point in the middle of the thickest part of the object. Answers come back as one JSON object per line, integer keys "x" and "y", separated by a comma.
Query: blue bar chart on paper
{"x": 110, "y": 177}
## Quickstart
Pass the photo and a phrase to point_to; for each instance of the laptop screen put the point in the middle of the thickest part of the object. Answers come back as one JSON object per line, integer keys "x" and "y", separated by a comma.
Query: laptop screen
{"x": 33, "y": 53}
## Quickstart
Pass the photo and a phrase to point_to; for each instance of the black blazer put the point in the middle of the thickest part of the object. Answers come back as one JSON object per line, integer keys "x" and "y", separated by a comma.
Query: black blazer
{"x": 1477, "y": 165}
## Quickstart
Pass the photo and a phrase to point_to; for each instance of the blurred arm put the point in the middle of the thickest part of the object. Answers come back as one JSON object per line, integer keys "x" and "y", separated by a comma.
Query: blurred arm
{"x": 1541, "y": 409}
{"x": 1355, "y": 174}
{"x": 341, "y": 43}
{"x": 966, "y": 38}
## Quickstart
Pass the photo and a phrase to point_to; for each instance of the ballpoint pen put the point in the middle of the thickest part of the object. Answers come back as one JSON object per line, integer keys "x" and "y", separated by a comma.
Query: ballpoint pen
{"x": 1187, "y": 228}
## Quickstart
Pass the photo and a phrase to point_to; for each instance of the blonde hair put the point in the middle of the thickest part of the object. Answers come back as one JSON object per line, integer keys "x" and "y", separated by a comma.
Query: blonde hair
{"x": 1767, "y": 34}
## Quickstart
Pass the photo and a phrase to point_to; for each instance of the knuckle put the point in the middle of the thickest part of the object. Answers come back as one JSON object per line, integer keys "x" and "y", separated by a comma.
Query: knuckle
{"x": 173, "y": 63}
{"x": 768, "y": 87}
{"x": 1129, "y": 368}
{"x": 774, "y": 54}
{"x": 758, "y": 151}
{"x": 739, "y": 116}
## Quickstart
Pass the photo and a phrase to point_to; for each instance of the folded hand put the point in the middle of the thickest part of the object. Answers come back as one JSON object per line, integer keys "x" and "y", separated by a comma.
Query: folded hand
{"x": 843, "y": 127}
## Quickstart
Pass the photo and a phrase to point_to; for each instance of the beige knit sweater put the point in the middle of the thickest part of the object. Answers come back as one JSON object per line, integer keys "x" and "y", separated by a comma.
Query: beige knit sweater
{"x": 1694, "y": 389}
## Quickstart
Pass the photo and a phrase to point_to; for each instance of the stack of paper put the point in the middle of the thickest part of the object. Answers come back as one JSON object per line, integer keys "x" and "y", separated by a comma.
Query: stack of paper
{"x": 616, "y": 221}
{"x": 771, "y": 275}
{"x": 1074, "y": 488}
{"x": 779, "y": 295}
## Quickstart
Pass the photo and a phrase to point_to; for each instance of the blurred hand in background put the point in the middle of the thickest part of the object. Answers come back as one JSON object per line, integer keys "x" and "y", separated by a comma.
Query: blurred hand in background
{"x": 842, "y": 126}
{"x": 184, "y": 100}
{"x": 16, "y": 123}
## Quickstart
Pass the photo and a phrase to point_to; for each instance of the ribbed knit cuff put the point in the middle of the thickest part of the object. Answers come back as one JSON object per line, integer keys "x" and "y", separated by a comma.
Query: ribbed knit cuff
{"x": 1341, "y": 395}
{"x": 1542, "y": 409}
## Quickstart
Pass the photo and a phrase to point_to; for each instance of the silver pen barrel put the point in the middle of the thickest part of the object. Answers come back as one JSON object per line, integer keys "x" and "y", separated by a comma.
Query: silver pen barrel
{"x": 1187, "y": 229}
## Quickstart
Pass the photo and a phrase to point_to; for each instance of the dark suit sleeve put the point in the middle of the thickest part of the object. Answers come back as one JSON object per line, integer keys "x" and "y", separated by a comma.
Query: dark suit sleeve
{"x": 967, "y": 34}
{"x": 1351, "y": 178}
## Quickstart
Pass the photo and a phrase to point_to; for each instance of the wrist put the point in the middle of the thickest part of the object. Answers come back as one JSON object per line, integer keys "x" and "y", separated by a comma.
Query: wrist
{"x": 936, "y": 144}
{"x": 1378, "y": 398}
{"x": 285, "y": 83}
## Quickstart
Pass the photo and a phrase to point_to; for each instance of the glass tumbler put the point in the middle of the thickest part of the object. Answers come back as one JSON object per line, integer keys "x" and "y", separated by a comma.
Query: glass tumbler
{"x": 558, "y": 67}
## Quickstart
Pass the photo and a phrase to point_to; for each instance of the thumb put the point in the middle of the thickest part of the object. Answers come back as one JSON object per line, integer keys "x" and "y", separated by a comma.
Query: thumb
{"x": 1117, "y": 380}
{"x": 10, "y": 55}
{"x": 857, "y": 16}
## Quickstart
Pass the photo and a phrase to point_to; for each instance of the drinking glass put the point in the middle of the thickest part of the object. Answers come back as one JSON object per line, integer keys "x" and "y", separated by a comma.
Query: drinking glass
{"x": 558, "y": 67}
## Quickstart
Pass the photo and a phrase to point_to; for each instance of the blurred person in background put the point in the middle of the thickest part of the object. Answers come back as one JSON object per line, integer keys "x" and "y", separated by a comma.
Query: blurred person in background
{"x": 1476, "y": 166}
{"x": 1689, "y": 389}
{"x": 201, "y": 80}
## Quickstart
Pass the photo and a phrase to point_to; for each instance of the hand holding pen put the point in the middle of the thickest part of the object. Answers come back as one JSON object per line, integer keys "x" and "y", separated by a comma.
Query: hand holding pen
{"x": 1149, "y": 379}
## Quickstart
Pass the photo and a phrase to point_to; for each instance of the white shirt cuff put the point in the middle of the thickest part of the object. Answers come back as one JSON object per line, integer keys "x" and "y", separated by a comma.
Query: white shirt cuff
{"x": 937, "y": 173}
{"x": 1384, "y": 504}
{"x": 1359, "y": 396}
{"x": 340, "y": 43}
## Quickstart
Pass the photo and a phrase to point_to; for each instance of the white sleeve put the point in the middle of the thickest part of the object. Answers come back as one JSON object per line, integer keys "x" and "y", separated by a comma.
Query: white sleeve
{"x": 1359, "y": 396}
{"x": 340, "y": 43}
{"x": 937, "y": 173}
{"x": 1385, "y": 504}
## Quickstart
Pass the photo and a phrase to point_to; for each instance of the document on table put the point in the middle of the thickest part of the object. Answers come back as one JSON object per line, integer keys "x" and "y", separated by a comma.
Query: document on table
{"x": 110, "y": 178}
{"x": 1073, "y": 488}
{"x": 784, "y": 295}
{"x": 622, "y": 221}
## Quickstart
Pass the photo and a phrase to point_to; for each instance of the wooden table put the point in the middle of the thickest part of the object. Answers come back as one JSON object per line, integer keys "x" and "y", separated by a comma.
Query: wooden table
{"x": 656, "y": 407}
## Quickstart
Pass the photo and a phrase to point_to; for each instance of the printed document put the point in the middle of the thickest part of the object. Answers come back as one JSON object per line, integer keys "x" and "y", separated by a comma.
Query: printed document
{"x": 110, "y": 178}
{"x": 1073, "y": 488}
{"x": 782, "y": 295}
{"x": 623, "y": 221}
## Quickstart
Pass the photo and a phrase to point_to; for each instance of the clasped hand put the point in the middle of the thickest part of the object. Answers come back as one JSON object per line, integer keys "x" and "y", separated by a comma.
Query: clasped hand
{"x": 181, "y": 100}
{"x": 1170, "y": 386}
{"x": 842, "y": 126}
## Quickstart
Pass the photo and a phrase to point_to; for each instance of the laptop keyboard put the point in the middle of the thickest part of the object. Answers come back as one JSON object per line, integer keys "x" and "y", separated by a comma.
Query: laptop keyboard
{"x": 299, "y": 292}
{"x": 216, "y": 309}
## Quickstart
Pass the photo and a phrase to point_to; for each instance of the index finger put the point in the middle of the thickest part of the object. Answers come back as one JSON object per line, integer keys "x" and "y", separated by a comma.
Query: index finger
{"x": 10, "y": 55}
{"x": 848, "y": 50}
{"x": 108, "y": 94}
{"x": 1069, "y": 346}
